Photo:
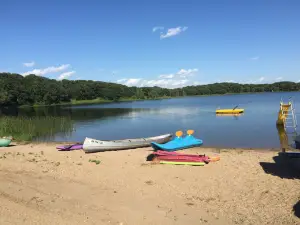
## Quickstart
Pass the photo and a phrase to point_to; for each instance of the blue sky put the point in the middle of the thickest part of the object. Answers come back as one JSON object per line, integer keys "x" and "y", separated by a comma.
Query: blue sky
{"x": 195, "y": 42}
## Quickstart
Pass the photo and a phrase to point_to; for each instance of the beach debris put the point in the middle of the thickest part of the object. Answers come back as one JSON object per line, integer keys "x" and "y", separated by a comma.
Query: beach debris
{"x": 95, "y": 161}
{"x": 76, "y": 146}
{"x": 149, "y": 182}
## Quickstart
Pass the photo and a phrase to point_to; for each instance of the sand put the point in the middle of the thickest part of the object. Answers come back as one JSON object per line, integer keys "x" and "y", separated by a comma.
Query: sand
{"x": 39, "y": 185}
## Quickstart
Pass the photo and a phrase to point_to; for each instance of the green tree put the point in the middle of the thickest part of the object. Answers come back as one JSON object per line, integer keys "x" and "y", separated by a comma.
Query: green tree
{"x": 18, "y": 90}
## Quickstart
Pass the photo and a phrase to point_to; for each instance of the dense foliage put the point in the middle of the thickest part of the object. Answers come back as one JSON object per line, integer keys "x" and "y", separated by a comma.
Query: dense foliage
{"x": 18, "y": 90}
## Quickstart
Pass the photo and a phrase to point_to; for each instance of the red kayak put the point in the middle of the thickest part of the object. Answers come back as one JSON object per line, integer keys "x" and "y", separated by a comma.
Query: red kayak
{"x": 180, "y": 157}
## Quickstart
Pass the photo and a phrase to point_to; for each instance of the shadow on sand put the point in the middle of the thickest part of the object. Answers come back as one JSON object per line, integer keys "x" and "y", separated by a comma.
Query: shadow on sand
{"x": 296, "y": 209}
{"x": 285, "y": 168}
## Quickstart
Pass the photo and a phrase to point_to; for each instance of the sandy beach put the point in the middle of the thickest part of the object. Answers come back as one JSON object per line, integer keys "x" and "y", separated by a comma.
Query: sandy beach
{"x": 40, "y": 185}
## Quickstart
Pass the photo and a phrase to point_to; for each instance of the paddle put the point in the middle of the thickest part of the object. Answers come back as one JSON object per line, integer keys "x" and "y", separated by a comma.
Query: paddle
{"x": 235, "y": 107}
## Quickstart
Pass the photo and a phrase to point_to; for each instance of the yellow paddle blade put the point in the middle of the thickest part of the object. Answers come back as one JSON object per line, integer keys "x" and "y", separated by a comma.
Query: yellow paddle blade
{"x": 179, "y": 133}
{"x": 190, "y": 132}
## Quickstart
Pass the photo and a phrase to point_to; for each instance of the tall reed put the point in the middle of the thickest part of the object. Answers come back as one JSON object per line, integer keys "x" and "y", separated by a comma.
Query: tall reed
{"x": 30, "y": 128}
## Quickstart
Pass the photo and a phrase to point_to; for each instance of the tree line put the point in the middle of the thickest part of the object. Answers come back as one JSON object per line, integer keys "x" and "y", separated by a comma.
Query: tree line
{"x": 35, "y": 90}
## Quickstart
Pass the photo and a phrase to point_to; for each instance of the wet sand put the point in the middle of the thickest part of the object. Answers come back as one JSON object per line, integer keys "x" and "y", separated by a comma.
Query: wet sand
{"x": 40, "y": 185}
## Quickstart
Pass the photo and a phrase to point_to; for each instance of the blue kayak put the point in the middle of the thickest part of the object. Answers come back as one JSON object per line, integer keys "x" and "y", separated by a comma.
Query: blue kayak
{"x": 178, "y": 143}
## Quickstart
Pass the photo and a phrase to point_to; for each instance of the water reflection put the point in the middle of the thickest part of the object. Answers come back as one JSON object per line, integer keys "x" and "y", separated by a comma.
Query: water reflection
{"x": 234, "y": 116}
{"x": 73, "y": 113}
{"x": 48, "y": 123}
{"x": 24, "y": 128}
{"x": 283, "y": 138}
{"x": 150, "y": 118}
{"x": 286, "y": 139}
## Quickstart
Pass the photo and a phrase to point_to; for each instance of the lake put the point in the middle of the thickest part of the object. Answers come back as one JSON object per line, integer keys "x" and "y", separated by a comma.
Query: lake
{"x": 256, "y": 128}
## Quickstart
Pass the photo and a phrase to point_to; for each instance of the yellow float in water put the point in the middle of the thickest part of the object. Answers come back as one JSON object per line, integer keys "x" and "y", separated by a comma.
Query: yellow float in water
{"x": 229, "y": 111}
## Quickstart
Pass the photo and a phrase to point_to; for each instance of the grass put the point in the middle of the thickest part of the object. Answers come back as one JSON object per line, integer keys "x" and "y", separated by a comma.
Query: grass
{"x": 95, "y": 101}
{"x": 95, "y": 161}
{"x": 92, "y": 101}
{"x": 29, "y": 128}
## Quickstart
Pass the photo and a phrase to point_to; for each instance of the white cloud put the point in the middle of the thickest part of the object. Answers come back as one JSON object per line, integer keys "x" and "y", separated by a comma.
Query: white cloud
{"x": 166, "y": 76}
{"x": 121, "y": 80}
{"x": 66, "y": 75}
{"x": 173, "y": 32}
{"x": 29, "y": 64}
{"x": 167, "y": 83}
{"x": 178, "y": 79}
{"x": 182, "y": 73}
{"x": 130, "y": 81}
{"x": 230, "y": 81}
{"x": 52, "y": 69}
{"x": 255, "y": 58}
{"x": 186, "y": 73}
{"x": 259, "y": 80}
{"x": 157, "y": 28}
{"x": 279, "y": 78}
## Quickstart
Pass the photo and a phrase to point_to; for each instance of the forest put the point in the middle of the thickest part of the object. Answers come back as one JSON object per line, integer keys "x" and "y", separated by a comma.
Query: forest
{"x": 18, "y": 90}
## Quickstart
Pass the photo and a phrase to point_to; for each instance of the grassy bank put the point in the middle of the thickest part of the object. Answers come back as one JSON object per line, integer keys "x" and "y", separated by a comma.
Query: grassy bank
{"x": 29, "y": 128}
{"x": 96, "y": 101}
{"x": 100, "y": 101}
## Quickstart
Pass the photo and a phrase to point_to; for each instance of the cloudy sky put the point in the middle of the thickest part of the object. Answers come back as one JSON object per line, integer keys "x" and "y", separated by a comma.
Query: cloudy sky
{"x": 167, "y": 43}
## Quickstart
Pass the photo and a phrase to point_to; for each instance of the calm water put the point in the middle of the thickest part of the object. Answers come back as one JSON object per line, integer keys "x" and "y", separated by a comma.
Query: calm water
{"x": 255, "y": 128}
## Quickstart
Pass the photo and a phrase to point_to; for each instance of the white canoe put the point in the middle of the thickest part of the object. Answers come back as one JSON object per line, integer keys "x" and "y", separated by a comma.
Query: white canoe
{"x": 92, "y": 145}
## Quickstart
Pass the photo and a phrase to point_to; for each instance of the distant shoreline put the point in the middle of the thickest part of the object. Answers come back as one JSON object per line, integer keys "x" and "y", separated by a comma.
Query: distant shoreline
{"x": 104, "y": 101}
{"x": 93, "y": 102}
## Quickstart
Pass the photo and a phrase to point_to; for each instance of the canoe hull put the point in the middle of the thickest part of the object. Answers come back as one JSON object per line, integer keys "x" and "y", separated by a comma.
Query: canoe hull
{"x": 92, "y": 145}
